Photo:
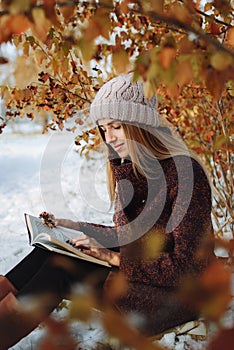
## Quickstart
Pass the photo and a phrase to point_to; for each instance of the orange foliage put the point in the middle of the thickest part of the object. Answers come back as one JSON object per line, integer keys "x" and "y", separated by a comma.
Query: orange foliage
{"x": 184, "y": 54}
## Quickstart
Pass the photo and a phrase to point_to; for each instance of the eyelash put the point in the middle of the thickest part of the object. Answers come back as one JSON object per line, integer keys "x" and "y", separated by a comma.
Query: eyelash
{"x": 114, "y": 127}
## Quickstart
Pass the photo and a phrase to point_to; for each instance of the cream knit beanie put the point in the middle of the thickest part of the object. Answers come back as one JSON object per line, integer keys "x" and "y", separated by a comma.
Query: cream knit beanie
{"x": 120, "y": 99}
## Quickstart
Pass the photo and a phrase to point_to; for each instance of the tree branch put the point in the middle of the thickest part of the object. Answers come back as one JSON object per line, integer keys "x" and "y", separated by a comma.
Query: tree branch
{"x": 188, "y": 28}
{"x": 214, "y": 18}
{"x": 154, "y": 17}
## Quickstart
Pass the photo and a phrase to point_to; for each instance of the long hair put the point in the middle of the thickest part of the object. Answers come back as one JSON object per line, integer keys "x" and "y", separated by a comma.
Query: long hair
{"x": 146, "y": 146}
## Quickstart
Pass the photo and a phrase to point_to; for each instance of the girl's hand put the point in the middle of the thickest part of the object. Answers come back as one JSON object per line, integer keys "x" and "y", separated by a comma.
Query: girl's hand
{"x": 91, "y": 247}
{"x": 51, "y": 221}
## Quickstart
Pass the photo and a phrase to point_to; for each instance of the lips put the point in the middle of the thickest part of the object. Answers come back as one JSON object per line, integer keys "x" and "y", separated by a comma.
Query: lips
{"x": 117, "y": 147}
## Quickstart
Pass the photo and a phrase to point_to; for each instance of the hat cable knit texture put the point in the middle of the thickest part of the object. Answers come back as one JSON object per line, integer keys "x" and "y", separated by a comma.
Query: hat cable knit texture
{"x": 120, "y": 99}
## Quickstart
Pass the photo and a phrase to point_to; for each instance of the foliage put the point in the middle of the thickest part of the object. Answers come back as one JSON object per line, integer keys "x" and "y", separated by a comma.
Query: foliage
{"x": 181, "y": 49}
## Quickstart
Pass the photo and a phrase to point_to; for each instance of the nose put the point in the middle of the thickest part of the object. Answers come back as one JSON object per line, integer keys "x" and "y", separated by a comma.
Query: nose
{"x": 110, "y": 136}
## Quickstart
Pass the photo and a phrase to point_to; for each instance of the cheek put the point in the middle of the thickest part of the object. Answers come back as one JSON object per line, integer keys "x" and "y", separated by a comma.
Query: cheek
{"x": 122, "y": 135}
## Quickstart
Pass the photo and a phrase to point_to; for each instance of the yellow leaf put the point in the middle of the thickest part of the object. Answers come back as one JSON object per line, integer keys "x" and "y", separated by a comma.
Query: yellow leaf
{"x": 154, "y": 244}
{"x": 87, "y": 49}
{"x": 26, "y": 48}
{"x": 81, "y": 307}
{"x": 230, "y": 87}
{"x": 148, "y": 89}
{"x": 19, "y": 6}
{"x": 25, "y": 72}
{"x": 220, "y": 140}
{"x": 40, "y": 56}
{"x": 120, "y": 60}
{"x": 221, "y": 60}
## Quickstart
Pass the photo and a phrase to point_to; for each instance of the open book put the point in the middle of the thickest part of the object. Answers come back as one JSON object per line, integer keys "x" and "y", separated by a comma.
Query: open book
{"x": 55, "y": 239}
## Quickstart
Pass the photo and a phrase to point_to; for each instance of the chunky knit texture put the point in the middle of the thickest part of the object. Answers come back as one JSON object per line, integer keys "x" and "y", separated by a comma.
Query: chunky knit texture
{"x": 122, "y": 100}
{"x": 153, "y": 277}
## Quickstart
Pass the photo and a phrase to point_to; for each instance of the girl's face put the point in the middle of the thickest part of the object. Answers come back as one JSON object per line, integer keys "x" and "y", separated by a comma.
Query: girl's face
{"x": 114, "y": 135}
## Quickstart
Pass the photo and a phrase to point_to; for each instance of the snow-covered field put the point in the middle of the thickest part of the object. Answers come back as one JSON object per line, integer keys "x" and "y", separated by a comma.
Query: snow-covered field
{"x": 44, "y": 172}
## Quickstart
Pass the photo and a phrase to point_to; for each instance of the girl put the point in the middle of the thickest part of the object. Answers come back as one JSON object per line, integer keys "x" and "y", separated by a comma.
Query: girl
{"x": 162, "y": 223}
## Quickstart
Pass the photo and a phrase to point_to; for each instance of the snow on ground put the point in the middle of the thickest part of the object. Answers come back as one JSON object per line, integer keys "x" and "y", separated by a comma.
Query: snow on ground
{"x": 44, "y": 172}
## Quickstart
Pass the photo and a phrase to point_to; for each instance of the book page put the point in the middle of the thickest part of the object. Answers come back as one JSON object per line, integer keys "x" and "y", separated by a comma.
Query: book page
{"x": 67, "y": 249}
{"x": 55, "y": 239}
{"x": 36, "y": 226}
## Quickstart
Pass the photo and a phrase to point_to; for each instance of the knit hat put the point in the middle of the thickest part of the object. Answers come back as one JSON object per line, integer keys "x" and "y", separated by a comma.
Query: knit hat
{"x": 120, "y": 99}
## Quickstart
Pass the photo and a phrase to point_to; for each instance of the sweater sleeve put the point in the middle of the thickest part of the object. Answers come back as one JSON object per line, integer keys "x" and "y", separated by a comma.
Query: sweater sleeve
{"x": 168, "y": 268}
{"x": 105, "y": 235}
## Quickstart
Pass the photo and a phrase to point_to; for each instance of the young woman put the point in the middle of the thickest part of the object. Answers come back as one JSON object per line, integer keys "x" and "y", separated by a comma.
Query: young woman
{"x": 162, "y": 225}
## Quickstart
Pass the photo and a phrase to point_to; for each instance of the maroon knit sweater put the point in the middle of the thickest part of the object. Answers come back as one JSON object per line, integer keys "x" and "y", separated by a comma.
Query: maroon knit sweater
{"x": 160, "y": 225}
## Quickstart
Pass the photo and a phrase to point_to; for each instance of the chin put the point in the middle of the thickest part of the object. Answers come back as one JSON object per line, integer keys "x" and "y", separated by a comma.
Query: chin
{"x": 123, "y": 155}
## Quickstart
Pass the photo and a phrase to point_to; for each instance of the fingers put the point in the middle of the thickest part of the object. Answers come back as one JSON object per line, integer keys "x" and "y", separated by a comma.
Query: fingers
{"x": 80, "y": 242}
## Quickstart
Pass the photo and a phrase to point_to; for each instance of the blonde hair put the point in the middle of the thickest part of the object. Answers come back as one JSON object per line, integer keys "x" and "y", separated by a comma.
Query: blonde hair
{"x": 150, "y": 145}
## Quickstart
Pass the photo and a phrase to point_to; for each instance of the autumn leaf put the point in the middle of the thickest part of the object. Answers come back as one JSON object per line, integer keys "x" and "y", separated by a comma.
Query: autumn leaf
{"x": 153, "y": 5}
{"x": 25, "y": 72}
{"x": 211, "y": 295}
{"x": 17, "y": 6}
{"x": 120, "y": 60}
{"x": 230, "y": 36}
{"x": 221, "y": 60}
{"x": 166, "y": 56}
{"x": 87, "y": 49}
{"x": 220, "y": 140}
{"x": 57, "y": 335}
{"x": 41, "y": 24}
{"x": 99, "y": 25}
{"x": 50, "y": 12}
{"x": 184, "y": 72}
{"x": 215, "y": 28}
{"x": 67, "y": 12}
{"x": 123, "y": 6}
{"x": 115, "y": 286}
{"x": 185, "y": 46}
{"x": 215, "y": 83}
{"x": 230, "y": 87}
{"x": 224, "y": 339}
{"x": 157, "y": 5}
{"x": 81, "y": 306}
{"x": 148, "y": 89}
{"x": 117, "y": 326}
{"x": 10, "y": 25}
{"x": 180, "y": 12}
